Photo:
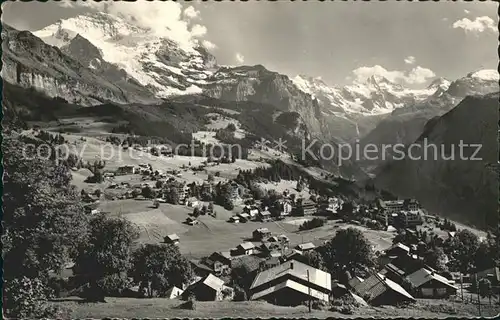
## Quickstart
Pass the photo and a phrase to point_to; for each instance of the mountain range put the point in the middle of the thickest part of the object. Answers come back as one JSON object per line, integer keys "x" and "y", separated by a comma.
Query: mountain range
{"x": 99, "y": 59}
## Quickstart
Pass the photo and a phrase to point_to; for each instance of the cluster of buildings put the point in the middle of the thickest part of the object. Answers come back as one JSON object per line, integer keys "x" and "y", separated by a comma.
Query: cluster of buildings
{"x": 400, "y": 213}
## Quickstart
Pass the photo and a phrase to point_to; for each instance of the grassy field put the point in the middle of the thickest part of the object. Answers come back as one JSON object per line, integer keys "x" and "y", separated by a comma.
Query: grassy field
{"x": 216, "y": 234}
{"x": 164, "y": 308}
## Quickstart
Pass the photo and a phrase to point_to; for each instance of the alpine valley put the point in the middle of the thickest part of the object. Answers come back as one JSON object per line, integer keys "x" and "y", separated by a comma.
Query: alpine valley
{"x": 98, "y": 66}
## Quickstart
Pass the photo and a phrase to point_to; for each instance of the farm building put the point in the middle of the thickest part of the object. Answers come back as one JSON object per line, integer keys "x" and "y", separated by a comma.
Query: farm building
{"x": 208, "y": 288}
{"x": 380, "y": 290}
{"x": 172, "y": 238}
{"x": 261, "y": 234}
{"x": 174, "y": 292}
{"x": 429, "y": 284}
{"x": 291, "y": 283}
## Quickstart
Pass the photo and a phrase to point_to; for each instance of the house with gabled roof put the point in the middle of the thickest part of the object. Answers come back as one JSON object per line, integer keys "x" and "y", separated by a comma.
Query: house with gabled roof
{"x": 429, "y": 284}
{"x": 380, "y": 290}
{"x": 209, "y": 288}
{"x": 245, "y": 248}
{"x": 291, "y": 283}
{"x": 172, "y": 238}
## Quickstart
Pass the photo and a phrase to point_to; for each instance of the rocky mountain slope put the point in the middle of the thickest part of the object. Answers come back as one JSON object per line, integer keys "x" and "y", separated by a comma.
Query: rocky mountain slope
{"x": 446, "y": 181}
{"x": 30, "y": 63}
{"x": 404, "y": 125}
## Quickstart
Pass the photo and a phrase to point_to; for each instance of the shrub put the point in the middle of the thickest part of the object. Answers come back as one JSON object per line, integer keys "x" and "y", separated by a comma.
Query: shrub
{"x": 314, "y": 223}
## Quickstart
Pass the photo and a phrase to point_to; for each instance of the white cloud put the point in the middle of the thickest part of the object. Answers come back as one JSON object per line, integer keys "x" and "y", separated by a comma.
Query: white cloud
{"x": 209, "y": 45}
{"x": 191, "y": 12}
{"x": 198, "y": 31}
{"x": 410, "y": 60}
{"x": 466, "y": 11}
{"x": 417, "y": 75}
{"x": 480, "y": 24}
{"x": 240, "y": 58}
{"x": 165, "y": 19}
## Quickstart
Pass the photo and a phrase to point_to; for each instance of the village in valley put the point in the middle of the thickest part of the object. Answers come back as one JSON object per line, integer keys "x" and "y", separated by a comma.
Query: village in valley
{"x": 262, "y": 230}
{"x": 170, "y": 159}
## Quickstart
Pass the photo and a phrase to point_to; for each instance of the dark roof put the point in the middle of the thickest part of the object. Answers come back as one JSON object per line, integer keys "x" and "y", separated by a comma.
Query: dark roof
{"x": 377, "y": 285}
{"x": 248, "y": 263}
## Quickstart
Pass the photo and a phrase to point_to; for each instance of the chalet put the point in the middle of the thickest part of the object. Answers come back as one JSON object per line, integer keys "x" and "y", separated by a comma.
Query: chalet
{"x": 304, "y": 247}
{"x": 379, "y": 290}
{"x": 173, "y": 293}
{"x": 270, "y": 249}
{"x": 223, "y": 257}
{"x": 246, "y": 268}
{"x": 261, "y": 234}
{"x": 172, "y": 238}
{"x": 208, "y": 288}
{"x": 429, "y": 284}
{"x": 394, "y": 273}
{"x": 234, "y": 219}
{"x": 127, "y": 169}
{"x": 265, "y": 216}
{"x": 292, "y": 254}
{"x": 397, "y": 250}
{"x": 338, "y": 290}
{"x": 245, "y": 248}
{"x": 291, "y": 283}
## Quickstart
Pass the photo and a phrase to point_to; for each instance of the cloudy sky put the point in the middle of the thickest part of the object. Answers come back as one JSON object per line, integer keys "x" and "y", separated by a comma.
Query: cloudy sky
{"x": 337, "y": 41}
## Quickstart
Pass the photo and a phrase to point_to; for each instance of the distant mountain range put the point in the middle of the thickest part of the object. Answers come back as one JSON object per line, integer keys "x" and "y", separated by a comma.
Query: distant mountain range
{"x": 466, "y": 190}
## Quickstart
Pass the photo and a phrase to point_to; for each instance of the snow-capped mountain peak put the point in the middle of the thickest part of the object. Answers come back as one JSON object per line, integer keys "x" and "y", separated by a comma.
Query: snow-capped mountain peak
{"x": 375, "y": 95}
{"x": 163, "y": 65}
{"x": 485, "y": 74}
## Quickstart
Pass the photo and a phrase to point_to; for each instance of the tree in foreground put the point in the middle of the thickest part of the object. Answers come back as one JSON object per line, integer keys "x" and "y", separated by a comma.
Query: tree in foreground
{"x": 104, "y": 258}
{"x": 43, "y": 223}
{"x": 158, "y": 267}
{"x": 348, "y": 251}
